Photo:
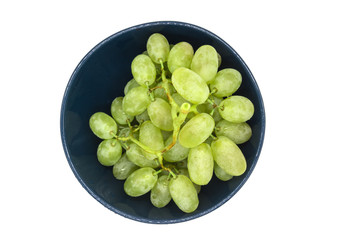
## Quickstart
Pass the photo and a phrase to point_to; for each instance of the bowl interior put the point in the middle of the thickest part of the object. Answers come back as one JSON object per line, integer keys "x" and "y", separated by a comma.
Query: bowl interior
{"x": 100, "y": 77}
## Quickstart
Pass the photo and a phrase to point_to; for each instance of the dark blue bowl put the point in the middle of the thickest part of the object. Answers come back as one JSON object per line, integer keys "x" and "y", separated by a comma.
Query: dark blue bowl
{"x": 100, "y": 77}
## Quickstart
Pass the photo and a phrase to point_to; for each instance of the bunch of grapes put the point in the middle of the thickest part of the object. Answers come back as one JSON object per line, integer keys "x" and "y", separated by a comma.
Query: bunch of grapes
{"x": 177, "y": 124}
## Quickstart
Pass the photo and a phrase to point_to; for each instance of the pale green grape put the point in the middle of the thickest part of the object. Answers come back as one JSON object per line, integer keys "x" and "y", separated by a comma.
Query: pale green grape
{"x": 109, "y": 152}
{"x": 180, "y": 55}
{"x": 143, "y": 70}
{"x": 226, "y": 82}
{"x": 176, "y": 153}
{"x": 123, "y": 168}
{"x": 135, "y": 155}
{"x": 142, "y": 117}
{"x": 136, "y": 101}
{"x": 190, "y": 85}
{"x": 140, "y": 182}
{"x": 220, "y": 173}
{"x": 103, "y": 125}
{"x": 160, "y": 194}
{"x": 205, "y": 62}
{"x": 152, "y": 137}
{"x": 117, "y": 112}
{"x": 236, "y": 109}
{"x": 238, "y": 132}
{"x": 159, "y": 112}
{"x": 196, "y": 130}
{"x": 181, "y": 164}
{"x": 228, "y": 156}
{"x": 184, "y": 194}
{"x": 200, "y": 164}
{"x": 219, "y": 59}
{"x": 130, "y": 84}
{"x": 158, "y": 47}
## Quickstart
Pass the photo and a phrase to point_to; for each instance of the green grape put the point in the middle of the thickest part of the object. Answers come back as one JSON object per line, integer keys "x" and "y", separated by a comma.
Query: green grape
{"x": 190, "y": 85}
{"x": 142, "y": 117}
{"x": 143, "y": 70}
{"x": 159, "y": 112}
{"x": 184, "y": 194}
{"x": 102, "y": 125}
{"x": 180, "y": 55}
{"x": 176, "y": 153}
{"x": 158, "y": 47}
{"x": 200, "y": 164}
{"x": 160, "y": 194}
{"x": 220, "y": 173}
{"x": 196, "y": 130}
{"x": 135, "y": 155}
{"x": 151, "y": 136}
{"x": 219, "y": 59}
{"x": 237, "y": 132}
{"x": 136, "y": 101}
{"x": 130, "y": 84}
{"x": 123, "y": 168}
{"x": 228, "y": 156}
{"x": 181, "y": 164}
{"x": 236, "y": 109}
{"x": 226, "y": 82}
{"x": 140, "y": 182}
{"x": 205, "y": 62}
{"x": 117, "y": 112}
{"x": 109, "y": 152}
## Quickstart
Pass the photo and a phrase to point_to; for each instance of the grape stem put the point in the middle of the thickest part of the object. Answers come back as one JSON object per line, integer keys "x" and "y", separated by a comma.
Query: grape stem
{"x": 178, "y": 114}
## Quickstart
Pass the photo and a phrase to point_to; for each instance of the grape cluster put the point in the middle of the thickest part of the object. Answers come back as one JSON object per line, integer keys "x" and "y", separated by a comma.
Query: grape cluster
{"x": 177, "y": 124}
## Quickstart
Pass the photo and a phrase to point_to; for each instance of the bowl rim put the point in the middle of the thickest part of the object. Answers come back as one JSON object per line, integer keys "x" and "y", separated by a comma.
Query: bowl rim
{"x": 101, "y": 200}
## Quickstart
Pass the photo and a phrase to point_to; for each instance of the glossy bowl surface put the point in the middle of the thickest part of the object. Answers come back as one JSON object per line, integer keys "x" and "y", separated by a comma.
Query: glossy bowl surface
{"x": 101, "y": 76}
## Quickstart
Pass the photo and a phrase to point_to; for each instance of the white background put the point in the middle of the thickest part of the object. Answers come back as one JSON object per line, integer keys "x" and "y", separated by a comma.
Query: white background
{"x": 290, "y": 47}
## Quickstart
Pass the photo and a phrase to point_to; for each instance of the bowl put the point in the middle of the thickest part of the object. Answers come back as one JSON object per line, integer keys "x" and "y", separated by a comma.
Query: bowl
{"x": 100, "y": 77}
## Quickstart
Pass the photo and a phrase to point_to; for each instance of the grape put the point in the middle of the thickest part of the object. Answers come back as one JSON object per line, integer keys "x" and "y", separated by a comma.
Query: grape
{"x": 151, "y": 136}
{"x": 117, "y": 112}
{"x": 123, "y": 168}
{"x": 196, "y": 130}
{"x": 228, "y": 156}
{"x": 102, "y": 125}
{"x": 176, "y": 153}
{"x": 219, "y": 59}
{"x": 130, "y": 84}
{"x": 200, "y": 164}
{"x": 220, "y": 173}
{"x": 205, "y": 62}
{"x": 184, "y": 194}
{"x": 160, "y": 193}
{"x": 158, "y": 47}
{"x": 135, "y": 155}
{"x": 159, "y": 112}
{"x": 236, "y": 109}
{"x": 190, "y": 85}
{"x": 226, "y": 82}
{"x": 136, "y": 101}
{"x": 140, "y": 182}
{"x": 180, "y": 55}
{"x": 109, "y": 152}
{"x": 143, "y": 70}
{"x": 238, "y": 132}
{"x": 142, "y": 117}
